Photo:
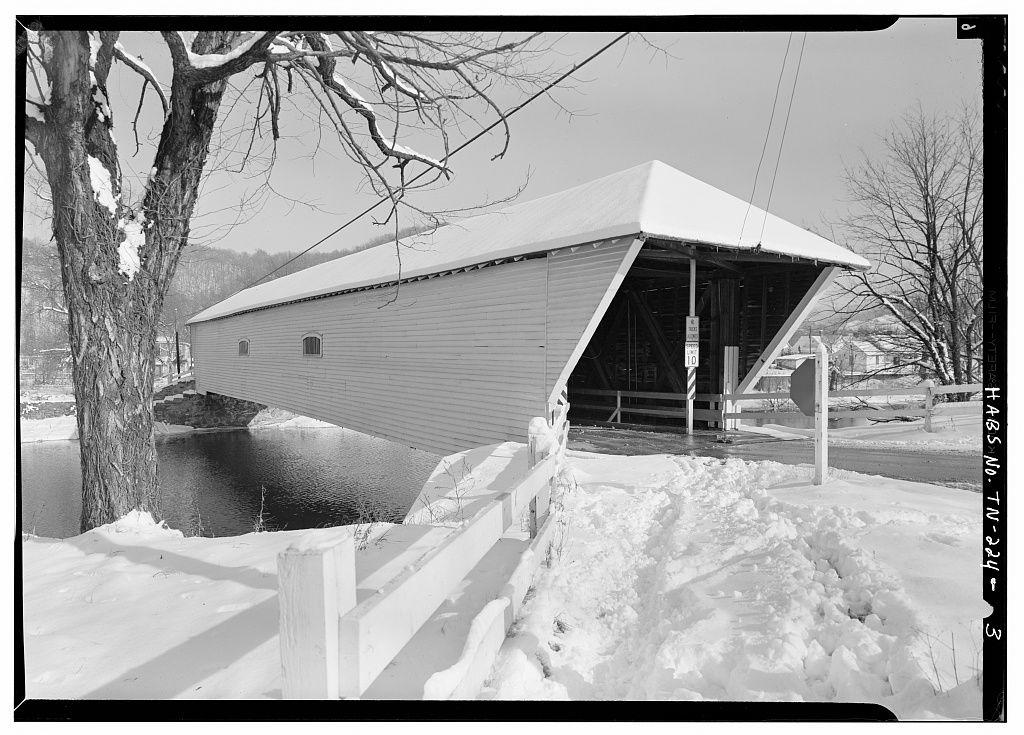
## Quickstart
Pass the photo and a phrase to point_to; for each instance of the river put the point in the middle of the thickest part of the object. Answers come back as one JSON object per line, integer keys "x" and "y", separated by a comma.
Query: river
{"x": 215, "y": 483}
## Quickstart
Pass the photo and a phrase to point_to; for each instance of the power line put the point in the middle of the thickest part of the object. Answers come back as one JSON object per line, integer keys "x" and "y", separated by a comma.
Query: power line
{"x": 767, "y": 134}
{"x": 792, "y": 94}
{"x": 511, "y": 111}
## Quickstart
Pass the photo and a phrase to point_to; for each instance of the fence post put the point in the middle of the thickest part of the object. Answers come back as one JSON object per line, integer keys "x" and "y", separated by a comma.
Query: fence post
{"x": 929, "y": 402}
{"x": 531, "y": 462}
{"x": 618, "y": 406}
{"x": 316, "y": 586}
{"x": 730, "y": 379}
{"x": 821, "y": 415}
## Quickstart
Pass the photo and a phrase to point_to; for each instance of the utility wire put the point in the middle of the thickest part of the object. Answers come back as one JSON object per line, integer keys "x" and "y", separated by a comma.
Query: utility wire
{"x": 509, "y": 113}
{"x": 792, "y": 94}
{"x": 767, "y": 134}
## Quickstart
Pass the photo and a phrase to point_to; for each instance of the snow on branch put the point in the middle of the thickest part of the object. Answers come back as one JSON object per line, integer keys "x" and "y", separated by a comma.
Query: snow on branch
{"x": 202, "y": 68}
{"x": 143, "y": 70}
{"x": 212, "y": 61}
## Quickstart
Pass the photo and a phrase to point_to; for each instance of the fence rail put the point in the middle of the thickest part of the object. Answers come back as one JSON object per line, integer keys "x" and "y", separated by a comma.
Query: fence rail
{"x": 719, "y": 414}
{"x": 333, "y": 646}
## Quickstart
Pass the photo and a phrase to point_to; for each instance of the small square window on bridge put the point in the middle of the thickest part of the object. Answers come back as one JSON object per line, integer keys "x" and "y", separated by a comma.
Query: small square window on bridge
{"x": 311, "y": 345}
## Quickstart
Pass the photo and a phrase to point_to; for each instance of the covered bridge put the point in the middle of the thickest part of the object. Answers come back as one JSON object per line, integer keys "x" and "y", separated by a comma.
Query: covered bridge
{"x": 490, "y": 319}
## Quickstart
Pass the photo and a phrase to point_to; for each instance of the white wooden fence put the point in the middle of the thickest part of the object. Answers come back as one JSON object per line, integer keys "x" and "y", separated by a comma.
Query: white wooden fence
{"x": 928, "y": 390}
{"x": 726, "y": 413}
{"x": 333, "y": 646}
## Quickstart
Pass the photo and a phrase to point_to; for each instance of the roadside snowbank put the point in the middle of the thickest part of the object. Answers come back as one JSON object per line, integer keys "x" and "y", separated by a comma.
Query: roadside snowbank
{"x": 693, "y": 578}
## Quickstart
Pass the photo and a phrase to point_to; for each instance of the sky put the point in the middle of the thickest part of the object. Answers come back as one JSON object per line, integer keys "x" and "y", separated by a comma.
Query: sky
{"x": 703, "y": 108}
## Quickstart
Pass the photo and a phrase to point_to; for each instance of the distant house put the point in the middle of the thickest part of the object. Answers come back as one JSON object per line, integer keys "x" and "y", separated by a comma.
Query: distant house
{"x": 166, "y": 356}
{"x": 775, "y": 378}
{"x": 856, "y": 357}
{"x": 45, "y": 367}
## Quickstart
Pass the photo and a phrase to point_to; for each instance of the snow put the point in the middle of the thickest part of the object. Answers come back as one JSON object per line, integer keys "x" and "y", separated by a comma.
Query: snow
{"x": 65, "y": 428}
{"x": 672, "y": 578}
{"x": 59, "y": 428}
{"x": 400, "y": 83}
{"x": 46, "y": 396}
{"x": 407, "y": 151}
{"x": 134, "y": 238}
{"x": 956, "y": 427}
{"x": 693, "y": 578}
{"x": 210, "y": 61}
{"x": 101, "y": 101}
{"x": 442, "y": 684}
{"x": 653, "y": 199}
{"x": 95, "y": 44}
{"x": 102, "y": 189}
{"x": 464, "y": 482}
{"x": 33, "y": 111}
{"x": 133, "y": 609}
{"x": 343, "y": 83}
{"x": 278, "y": 418}
{"x": 134, "y": 60}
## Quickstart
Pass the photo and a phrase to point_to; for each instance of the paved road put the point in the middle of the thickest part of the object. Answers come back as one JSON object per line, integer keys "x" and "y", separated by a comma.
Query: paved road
{"x": 956, "y": 469}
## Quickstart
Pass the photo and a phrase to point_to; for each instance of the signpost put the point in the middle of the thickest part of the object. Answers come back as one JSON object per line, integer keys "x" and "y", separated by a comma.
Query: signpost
{"x": 808, "y": 389}
{"x": 821, "y": 416}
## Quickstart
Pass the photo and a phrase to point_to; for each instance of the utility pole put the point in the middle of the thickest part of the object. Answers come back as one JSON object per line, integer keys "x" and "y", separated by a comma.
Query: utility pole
{"x": 177, "y": 346}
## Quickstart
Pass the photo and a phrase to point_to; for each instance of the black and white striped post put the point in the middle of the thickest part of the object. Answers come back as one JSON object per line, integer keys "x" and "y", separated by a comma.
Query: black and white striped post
{"x": 691, "y": 348}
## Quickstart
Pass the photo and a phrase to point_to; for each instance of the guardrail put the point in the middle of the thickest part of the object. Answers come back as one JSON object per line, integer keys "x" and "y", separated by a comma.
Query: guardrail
{"x": 335, "y": 646}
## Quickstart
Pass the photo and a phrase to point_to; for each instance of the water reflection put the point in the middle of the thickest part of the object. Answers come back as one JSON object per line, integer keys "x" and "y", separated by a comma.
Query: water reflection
{"x": 216, "y": 483}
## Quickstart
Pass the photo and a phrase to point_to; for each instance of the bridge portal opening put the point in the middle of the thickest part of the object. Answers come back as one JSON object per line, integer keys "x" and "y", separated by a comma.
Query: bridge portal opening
{"x": 742, "y": 299}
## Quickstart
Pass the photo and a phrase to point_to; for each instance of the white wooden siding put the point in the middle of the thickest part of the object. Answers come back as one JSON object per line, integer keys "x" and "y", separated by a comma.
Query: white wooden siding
{"x": 581, "y": 285}
{"x": 455, "y": 362}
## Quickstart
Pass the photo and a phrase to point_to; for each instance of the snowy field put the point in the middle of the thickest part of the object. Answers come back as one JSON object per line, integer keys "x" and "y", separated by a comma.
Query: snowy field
{"x": 674, "y": 578}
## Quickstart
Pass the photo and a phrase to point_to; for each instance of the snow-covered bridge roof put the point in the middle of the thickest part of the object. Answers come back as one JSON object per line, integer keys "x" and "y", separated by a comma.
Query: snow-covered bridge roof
{"x": 651, "y": 199}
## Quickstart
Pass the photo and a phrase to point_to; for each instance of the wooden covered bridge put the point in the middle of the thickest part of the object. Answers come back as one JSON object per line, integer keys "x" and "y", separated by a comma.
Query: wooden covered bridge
{"x": 491, "y": 319}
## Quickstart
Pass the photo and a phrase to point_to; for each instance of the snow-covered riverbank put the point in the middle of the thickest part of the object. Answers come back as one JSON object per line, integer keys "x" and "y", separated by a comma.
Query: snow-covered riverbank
{"x": 674, "y": 577}
{"x": 65, "y": 428}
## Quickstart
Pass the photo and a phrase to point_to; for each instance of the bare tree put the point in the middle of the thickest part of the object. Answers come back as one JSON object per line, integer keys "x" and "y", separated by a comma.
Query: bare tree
{"x": 918, "y": 218}
{"x": 119, "y": 249}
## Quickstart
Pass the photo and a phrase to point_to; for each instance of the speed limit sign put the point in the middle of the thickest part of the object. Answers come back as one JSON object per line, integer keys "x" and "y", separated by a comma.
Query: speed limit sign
{"x": 691, "y": 354}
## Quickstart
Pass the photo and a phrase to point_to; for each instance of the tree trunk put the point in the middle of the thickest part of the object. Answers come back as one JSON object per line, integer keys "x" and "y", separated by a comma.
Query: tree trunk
{"x": 113, "y": 379}
{"x": 117, "y": 260}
